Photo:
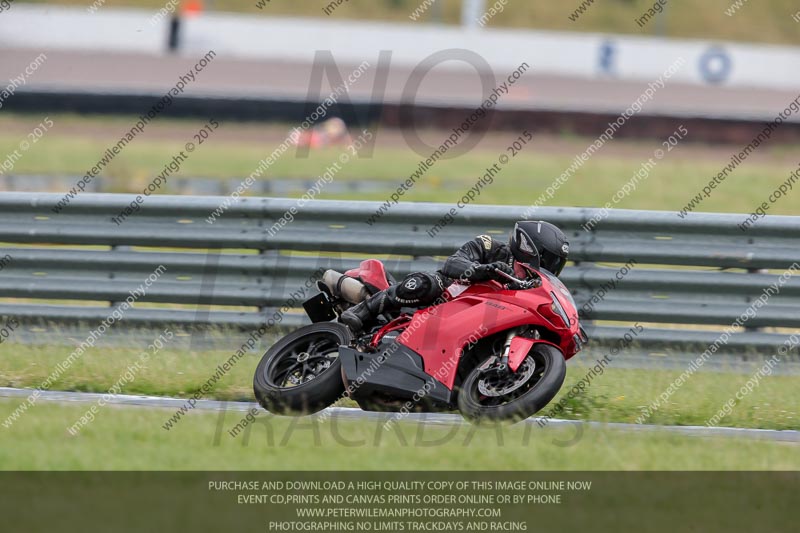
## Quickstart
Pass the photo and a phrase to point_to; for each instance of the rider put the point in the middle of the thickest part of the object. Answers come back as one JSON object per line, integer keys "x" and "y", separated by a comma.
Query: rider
{"x": 536, "y": 243}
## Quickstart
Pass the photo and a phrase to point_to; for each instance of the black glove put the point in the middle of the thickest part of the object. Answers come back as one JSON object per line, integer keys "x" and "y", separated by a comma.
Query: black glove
{"x": 486, "y": 272}
{"x": 502, "y": 267}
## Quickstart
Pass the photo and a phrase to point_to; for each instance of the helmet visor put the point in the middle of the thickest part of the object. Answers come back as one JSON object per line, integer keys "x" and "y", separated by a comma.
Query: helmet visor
{"x": 553, "y": 263}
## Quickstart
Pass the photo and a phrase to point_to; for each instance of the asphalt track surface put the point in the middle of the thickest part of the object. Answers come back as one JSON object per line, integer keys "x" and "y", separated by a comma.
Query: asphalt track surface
{"x": 239, "y": 78}
{"x": 432, "y": 419}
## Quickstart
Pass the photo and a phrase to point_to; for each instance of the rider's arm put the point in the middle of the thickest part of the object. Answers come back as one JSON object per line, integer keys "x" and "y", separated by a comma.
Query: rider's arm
{"x": 479, "y": 251}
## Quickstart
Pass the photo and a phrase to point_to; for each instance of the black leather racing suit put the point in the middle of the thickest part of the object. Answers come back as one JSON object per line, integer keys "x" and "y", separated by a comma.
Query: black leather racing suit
{"x": 421, "y": 289}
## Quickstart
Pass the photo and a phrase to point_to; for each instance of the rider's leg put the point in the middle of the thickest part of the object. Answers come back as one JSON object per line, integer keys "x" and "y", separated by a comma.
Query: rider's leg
{"x": 360, "y": 314}
{"x": 416, "y": 290}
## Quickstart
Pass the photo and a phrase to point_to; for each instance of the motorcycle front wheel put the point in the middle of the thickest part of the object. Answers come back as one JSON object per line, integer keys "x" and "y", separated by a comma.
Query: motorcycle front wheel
{"x": 500, "y": 395}
{"x": 301, "y": 373}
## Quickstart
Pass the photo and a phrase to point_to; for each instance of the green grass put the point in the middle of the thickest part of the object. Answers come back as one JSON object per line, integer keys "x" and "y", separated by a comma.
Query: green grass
{"x": 168, "y": 373}
{"x": 75, "y": 143}
{"x": 616, "y": 396}
{"x": 127, "y": 438}
{"x": 132, "y": 439}
{"x": 764, "y": 21}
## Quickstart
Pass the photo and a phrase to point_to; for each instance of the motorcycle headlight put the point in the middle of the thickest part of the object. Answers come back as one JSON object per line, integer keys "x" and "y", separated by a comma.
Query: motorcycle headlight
{"x": 559, "y": 310}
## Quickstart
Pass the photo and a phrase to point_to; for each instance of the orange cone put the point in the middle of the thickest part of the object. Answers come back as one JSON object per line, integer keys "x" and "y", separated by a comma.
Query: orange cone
{"x": 191, "y": 8}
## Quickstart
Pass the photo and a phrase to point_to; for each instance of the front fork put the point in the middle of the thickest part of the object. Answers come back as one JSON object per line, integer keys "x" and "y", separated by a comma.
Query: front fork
{"x": 507, "y": 347}
{"x": 507, "y": 358}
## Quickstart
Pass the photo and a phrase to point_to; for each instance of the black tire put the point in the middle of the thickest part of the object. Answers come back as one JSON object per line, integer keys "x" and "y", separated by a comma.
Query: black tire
{"x": 540, "y": 388}
{"x": 320, "y": 383}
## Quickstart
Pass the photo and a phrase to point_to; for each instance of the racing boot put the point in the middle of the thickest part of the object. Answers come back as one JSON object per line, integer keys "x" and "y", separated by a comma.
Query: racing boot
{"x": 364, "y": 313}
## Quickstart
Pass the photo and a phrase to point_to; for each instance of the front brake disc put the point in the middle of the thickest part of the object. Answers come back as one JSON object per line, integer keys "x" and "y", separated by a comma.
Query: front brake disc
{"x": 499, "y": 382}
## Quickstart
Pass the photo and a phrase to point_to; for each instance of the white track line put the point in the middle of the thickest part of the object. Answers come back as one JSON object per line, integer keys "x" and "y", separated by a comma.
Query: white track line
{"x": 426, "y": 418}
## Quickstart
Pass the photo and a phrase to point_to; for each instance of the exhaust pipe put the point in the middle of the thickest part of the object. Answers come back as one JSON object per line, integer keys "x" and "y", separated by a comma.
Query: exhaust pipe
{"x": 344, "y": 287}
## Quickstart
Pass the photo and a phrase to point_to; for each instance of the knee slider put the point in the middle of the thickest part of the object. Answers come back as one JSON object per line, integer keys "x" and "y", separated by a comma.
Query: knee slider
{"x": 414, "y": 287}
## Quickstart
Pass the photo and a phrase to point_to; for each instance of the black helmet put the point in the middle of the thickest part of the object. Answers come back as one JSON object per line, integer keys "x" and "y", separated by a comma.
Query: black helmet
{"x": 540, "y": 245}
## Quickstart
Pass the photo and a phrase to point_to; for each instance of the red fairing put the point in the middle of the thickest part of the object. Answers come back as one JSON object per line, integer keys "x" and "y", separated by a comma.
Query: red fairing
{"x": 439, "y": 334}
{"x": 520, "y": 346}
{"x": 398, "y": 323}
{"x": 371, "y": 272}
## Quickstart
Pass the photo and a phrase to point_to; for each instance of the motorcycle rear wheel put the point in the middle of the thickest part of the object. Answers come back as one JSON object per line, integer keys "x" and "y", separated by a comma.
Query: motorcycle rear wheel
{"x": 505, "y": 396}
{"x": 301, "y": 373}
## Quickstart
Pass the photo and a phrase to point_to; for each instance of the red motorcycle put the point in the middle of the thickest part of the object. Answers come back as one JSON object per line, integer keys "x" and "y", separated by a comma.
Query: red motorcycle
{"x": 494, "y": 351}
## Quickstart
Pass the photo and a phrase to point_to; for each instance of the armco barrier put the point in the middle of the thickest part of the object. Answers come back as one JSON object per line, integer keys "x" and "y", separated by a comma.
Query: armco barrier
{"x": 72, "y": 266}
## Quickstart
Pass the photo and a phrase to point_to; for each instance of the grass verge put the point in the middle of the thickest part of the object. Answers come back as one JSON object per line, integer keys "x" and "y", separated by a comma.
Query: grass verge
{"x": 618, "y": 395}
{"x": 75, "y": 143}
{"x": 132, "y": 439}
